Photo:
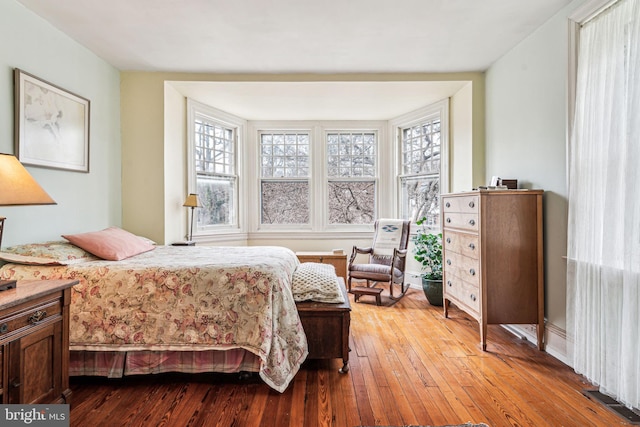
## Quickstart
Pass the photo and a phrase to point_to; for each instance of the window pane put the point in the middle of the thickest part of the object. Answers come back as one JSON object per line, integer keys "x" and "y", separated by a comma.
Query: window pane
{"x": 285, "y": 202}
{"x": 421, "y": 148}
{"x": 351, "y": 154}
{"x": 215, "y": 164}
{"x": 352, "y": 202}
{"x": 284, "y": 155}
{"x": 420, "y": 191}
{"x": 421, "y": 198}
{"x": 214, "y": 147}
{"x": 216, "y": 195}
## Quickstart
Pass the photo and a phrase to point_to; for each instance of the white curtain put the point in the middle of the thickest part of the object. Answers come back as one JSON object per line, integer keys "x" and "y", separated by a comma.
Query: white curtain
{"x": 603, "y": 271}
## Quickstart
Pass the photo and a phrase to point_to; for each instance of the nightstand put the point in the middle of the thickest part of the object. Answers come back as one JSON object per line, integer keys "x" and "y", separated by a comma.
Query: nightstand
{"x": 34, "y": 342}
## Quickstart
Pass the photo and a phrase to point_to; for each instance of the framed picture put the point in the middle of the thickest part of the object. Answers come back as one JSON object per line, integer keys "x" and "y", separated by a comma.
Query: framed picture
{"x": 51, "y": 125}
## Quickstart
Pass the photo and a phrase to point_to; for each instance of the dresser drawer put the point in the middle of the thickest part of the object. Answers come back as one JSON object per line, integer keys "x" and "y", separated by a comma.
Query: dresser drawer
{"x": 462, "y": 243}
{"x": 463, "y": 221}
{"x": 464, "y": 267}
{"x": 463, "y": 292}
{"x": 466, "y": 204}
{"x": 26, "y": 316}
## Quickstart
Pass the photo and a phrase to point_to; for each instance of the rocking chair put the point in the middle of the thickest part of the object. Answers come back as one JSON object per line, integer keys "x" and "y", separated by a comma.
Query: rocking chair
{"x": 386, "y": 263}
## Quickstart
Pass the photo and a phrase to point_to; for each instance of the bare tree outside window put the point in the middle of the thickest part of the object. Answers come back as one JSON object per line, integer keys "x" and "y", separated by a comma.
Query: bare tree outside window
{"x": 423, "y": 196}
{"x": 420, "y": 180}
{"x": 351, "y": 171}
{"x": 351, "y": 202}
{"x": 285, "y": 202}
{"x": 216, "y": 197}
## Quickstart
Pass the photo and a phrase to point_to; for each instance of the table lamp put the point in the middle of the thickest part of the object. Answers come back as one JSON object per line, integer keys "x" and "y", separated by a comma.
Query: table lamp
{"x": 192, "y": 202}
{"x": 17, "y": 188}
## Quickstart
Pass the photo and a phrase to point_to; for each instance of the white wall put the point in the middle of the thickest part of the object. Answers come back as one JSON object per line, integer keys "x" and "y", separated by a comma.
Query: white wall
{"x": 175, "y": 165}
{"x": 461, "y": 146}
{"x": 526, "y": 110}
{"x": 86, "y": 202}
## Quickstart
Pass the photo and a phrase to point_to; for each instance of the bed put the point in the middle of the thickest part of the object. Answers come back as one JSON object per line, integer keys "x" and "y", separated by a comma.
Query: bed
{"x": 175, "y": 309}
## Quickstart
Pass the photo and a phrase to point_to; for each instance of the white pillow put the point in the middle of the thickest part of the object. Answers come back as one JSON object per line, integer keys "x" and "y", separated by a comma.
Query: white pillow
{"x": 316, "y": 282}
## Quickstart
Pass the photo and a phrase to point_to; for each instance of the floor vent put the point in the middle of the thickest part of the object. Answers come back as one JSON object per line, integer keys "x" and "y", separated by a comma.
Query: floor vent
{"x": 630, "y": 415}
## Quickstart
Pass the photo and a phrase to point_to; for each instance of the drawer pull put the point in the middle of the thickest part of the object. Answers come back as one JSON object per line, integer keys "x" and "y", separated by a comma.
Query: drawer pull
{"x": 449, "y": 283}
{"x": 448, "y": 262}
{"x": 15, "y": 384}
{"x": 448, "y": 220}
{"x": 448, "y": 239}
{"x": 37, "y": 316}
{"x": 4, "y": 328}
{"x": 472, "y": 222}
{"x": 472, "y": 246}
{"x": 448, "y": 204}
{"x": 473, "y": 297}
{"x": 472, "y": 272}
{"x": 472, "y": 204}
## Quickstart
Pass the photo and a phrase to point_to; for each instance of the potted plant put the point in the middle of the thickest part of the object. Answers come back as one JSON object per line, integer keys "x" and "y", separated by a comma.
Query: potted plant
{"x": 428, "y": 252}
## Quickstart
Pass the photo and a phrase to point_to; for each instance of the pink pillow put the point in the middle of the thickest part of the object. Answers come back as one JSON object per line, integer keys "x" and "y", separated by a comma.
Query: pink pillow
{"x": 112, "y": 243}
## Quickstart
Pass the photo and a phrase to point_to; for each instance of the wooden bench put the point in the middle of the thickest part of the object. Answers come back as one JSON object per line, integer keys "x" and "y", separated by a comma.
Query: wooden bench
{"x": 327, "y": 328}
{"x": 358, "y": 291}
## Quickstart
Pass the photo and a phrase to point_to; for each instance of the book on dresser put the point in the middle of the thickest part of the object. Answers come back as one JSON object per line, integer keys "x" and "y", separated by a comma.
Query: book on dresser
{"x": 493, "y": 257}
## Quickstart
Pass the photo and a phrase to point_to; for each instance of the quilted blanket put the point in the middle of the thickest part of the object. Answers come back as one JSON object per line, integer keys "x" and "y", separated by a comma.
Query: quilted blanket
{"x": 187, "y": 298}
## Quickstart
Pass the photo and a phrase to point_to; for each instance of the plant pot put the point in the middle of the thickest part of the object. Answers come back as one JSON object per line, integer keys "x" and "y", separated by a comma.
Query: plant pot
{"x": 433, "y": 291}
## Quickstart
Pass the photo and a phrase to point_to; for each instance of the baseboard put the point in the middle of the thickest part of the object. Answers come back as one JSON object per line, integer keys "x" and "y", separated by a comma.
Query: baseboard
{"x": 413, "y": 279}
{"x": 555, "y": 339}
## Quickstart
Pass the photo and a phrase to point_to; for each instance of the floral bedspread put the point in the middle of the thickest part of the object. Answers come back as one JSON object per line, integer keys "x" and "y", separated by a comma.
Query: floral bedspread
{"x": 187, "y": 298}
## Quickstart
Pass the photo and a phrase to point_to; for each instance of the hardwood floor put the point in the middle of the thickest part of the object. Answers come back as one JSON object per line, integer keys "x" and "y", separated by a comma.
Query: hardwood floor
{"x": 409, "y": 366}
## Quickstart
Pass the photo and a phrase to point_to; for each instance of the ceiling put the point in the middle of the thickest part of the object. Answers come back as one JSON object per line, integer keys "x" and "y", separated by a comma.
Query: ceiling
{"x": 301, "y": 36}
{"x": 318, "y": 100}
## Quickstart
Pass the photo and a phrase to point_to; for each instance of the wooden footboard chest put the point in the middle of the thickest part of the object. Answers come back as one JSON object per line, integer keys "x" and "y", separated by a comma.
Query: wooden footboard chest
{"x": 327, "y": 328}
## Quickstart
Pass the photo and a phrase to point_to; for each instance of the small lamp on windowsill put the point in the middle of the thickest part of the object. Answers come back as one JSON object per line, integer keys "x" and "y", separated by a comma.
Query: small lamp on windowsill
{"x": 17, "y": 188}
{"x": 191, "y": 202}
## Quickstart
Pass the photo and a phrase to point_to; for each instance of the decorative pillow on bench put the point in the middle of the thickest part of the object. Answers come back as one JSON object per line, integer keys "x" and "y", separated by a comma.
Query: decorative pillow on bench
{"x": 316, "y": 282}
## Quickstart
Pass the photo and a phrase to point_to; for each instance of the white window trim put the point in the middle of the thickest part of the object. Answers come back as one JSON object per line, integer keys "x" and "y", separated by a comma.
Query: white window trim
{"x": 256, "y": 133}
{"x": 240, "y": 125}
{"x": 318, "y": 227}
{"x": 248, "y": 171}
{"x": 379, "y": 129}
{"x": 412, "y": 118}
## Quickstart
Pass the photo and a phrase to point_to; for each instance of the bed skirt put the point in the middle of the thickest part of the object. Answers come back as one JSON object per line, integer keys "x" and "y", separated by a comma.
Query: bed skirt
{"x": 116, "y": 364}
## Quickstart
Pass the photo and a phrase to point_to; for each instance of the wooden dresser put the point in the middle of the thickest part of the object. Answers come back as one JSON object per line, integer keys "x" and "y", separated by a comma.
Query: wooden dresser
{"x": 34, "y": 342}
{"x": 493, "y": 257}
{"x": 339, "y": 261}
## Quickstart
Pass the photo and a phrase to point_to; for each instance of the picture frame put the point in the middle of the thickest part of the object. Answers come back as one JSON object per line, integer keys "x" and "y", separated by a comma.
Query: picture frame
{"x": 51, "y": 125}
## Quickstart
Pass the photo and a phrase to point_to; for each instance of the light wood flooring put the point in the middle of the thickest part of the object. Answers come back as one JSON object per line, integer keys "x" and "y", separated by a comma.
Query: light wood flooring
{"x": 409, "y": 366}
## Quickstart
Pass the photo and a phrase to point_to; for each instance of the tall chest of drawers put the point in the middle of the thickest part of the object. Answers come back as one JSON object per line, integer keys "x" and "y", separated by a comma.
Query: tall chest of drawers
{"x": 493, "y": 257}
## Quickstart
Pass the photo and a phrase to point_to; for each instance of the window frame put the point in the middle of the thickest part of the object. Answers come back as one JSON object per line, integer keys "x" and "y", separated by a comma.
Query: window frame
{"x": 248, "y": 205}
{"x": 261, "y": 179}
{"x": 318, "y": 225}
{"x": 441, "y": 109}
{"x": 326, "y": 178}
{"x": 238, "y": 126}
